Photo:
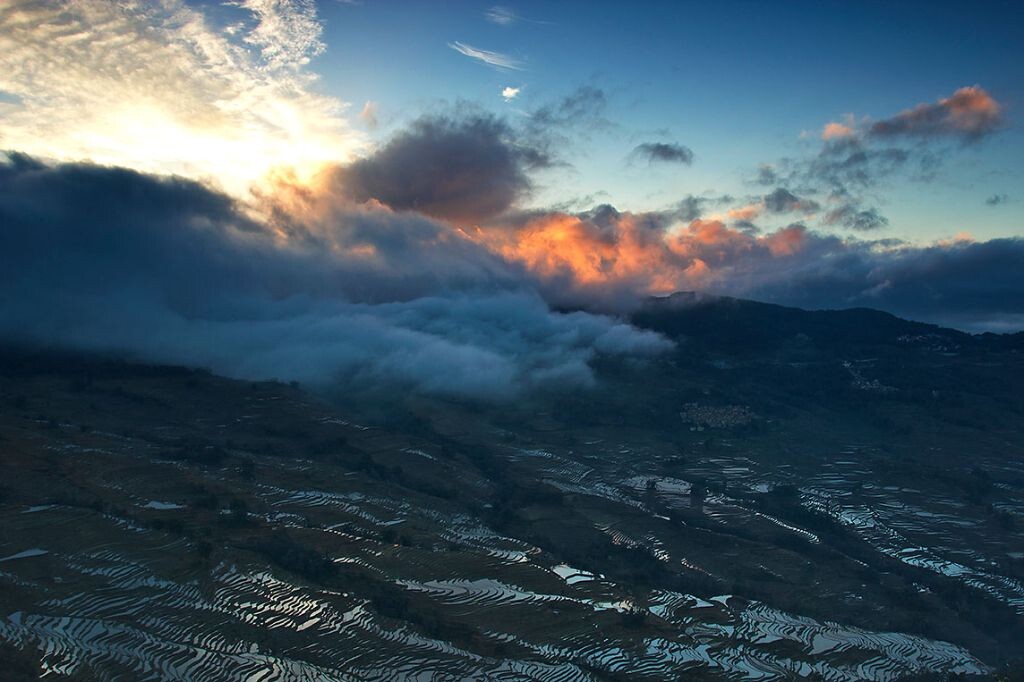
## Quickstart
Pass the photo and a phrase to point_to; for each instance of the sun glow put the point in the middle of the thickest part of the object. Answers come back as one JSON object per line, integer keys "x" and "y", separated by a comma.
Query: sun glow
{"x": 156, "y": 88}
{"x": 150, "y": 139}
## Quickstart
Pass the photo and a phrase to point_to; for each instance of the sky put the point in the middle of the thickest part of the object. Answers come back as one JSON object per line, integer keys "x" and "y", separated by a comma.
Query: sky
{"x": 363, "y": 189}
{"x": 740, "y": 84}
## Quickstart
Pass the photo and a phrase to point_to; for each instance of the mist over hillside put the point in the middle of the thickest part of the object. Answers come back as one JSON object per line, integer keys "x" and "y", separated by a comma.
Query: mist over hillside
{"x": 782, "y": 490}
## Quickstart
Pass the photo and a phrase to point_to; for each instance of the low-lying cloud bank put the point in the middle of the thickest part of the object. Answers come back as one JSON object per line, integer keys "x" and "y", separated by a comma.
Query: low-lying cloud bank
{"x": 167, "y": 270}
{"x": 414, "y": 268}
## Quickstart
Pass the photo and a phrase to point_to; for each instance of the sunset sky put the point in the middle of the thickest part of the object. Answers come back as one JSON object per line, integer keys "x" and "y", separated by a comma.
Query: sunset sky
{"x": 583, "y": 155}
{"x": 228, "y": 90}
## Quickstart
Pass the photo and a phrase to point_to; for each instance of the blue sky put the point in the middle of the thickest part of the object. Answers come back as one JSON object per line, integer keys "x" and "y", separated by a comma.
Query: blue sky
{"x": 736, "y": 82}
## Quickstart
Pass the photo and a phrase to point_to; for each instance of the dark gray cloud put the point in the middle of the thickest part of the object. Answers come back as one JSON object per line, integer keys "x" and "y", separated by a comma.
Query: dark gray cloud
{"x": 167, "y": 270}
{"x": 602, "y": 215}
{"x": 851, "y": 215}
{"x": 841, "y": 173}
{"x": 465, "y": 169}
{"x": 784, "y": 201}
{"x": 973, "y": 286}
{"x": 847, "y": 165}
{"x": 663, "y": 152}
{"x": 689, "y": 208}
{"x": 766, "y": 175}
{"x": 747, "y": 227}
{"x": 997, "y": 199}
{"x": 781, "y": 201}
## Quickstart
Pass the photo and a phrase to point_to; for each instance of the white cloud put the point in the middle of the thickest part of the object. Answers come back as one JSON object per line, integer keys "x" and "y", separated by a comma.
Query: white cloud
{"x": 156, "y": 87}
{"x": 506, "y": 16}
{"x": 500, "y": 15}
{"x": 495, "y": 59}
{"x": 510, "y": 93}
{"x": 287, "y": 32}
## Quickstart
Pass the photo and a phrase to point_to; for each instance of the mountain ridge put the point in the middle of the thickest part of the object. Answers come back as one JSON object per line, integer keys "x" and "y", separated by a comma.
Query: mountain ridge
{"x": 739, "y": 324}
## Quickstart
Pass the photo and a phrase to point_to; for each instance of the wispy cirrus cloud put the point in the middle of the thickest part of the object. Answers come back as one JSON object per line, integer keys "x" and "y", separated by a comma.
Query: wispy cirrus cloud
{"x": 501, "y": 15}
{"x": 287, "y": 32}
{"x": 489, "y": 57}
{"x": 506, "y": 16}
{"x": 158, "y": 87}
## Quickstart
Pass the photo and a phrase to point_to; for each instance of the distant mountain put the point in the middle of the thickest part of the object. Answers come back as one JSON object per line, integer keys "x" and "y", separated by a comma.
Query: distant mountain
{"x": 739, "y": 325}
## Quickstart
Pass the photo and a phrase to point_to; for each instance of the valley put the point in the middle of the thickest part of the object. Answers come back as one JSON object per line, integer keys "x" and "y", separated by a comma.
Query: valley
{"x": 710, "y": 515}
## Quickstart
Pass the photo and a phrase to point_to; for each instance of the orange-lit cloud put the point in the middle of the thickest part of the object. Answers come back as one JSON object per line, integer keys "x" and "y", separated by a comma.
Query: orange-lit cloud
{"x": 969, "y": 112}
{"x": 629, "y": 255}
{"x": 960, "y": 238}
{"x": 834, "y": 130}
{"x": 787, "y": 241}
{"x": 562, "y": 245}
{"x": 971, "y": 109}
{"x": 748, "y": 212}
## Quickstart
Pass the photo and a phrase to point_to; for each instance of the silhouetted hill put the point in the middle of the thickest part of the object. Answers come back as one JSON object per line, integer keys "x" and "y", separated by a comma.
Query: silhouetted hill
{"x": 738, "y": 325}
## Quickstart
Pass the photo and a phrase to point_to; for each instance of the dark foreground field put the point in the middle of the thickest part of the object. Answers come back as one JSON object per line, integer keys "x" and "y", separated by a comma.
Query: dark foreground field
{"x": 782, "y": 496}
